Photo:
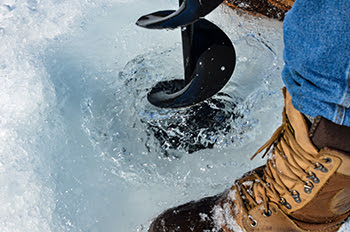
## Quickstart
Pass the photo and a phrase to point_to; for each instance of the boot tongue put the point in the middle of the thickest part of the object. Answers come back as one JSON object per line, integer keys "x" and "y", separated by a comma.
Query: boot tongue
{"x": 325, "y": 133}
{"x": 299, "y": 126}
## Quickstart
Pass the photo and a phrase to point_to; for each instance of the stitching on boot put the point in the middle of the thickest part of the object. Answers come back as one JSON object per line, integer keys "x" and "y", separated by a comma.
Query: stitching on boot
{"x": 314, "y": 126}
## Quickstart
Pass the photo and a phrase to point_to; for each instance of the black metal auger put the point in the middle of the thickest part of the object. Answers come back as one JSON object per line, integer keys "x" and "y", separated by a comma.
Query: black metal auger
{"x": 209, "y": 55}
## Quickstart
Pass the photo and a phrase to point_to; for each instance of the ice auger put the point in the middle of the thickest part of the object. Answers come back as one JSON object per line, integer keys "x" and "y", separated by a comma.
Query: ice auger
{"x": 208, "y": 54}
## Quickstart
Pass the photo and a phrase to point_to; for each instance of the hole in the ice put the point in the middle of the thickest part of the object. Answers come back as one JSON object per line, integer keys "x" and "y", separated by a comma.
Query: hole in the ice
{"x": 199, "y": 127}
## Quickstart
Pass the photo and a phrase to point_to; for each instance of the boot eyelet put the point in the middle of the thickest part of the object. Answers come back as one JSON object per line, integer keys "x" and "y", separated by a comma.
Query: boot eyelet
{"x": 267, "y": 214}
{"x": 295, "y": 196}
{"x": 308, "y": 187}
{"x": 318, "y": 166}
{"x": 312, "y": 176}
{"x": 254, "y": 223}
{"x": 283, "y": 201}
{"x": 328, "y": 160}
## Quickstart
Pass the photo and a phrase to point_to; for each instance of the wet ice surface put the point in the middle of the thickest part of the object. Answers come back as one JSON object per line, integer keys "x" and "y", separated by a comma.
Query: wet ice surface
{"x": 83, "y": 150}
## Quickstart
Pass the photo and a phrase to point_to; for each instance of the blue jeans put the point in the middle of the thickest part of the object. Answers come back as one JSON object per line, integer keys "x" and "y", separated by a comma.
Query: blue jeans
{"x": 317, "y": 58}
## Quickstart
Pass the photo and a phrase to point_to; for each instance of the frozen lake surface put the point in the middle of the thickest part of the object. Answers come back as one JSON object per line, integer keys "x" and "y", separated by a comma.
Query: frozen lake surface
{"x": 81, "y": 149}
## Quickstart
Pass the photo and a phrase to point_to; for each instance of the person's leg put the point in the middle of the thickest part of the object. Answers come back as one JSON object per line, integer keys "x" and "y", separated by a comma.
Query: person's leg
{"x": 317, "y": 58}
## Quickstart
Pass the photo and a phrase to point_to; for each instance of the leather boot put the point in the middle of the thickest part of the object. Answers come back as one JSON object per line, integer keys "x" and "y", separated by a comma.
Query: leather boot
{"x": 304, "y": 186}
{"x": 271, "y": 8}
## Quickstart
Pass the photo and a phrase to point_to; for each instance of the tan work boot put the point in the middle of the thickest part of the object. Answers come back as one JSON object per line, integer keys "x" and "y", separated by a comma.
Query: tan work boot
{"x": 304, "y": 186}
{"x": 270, "y": 8}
